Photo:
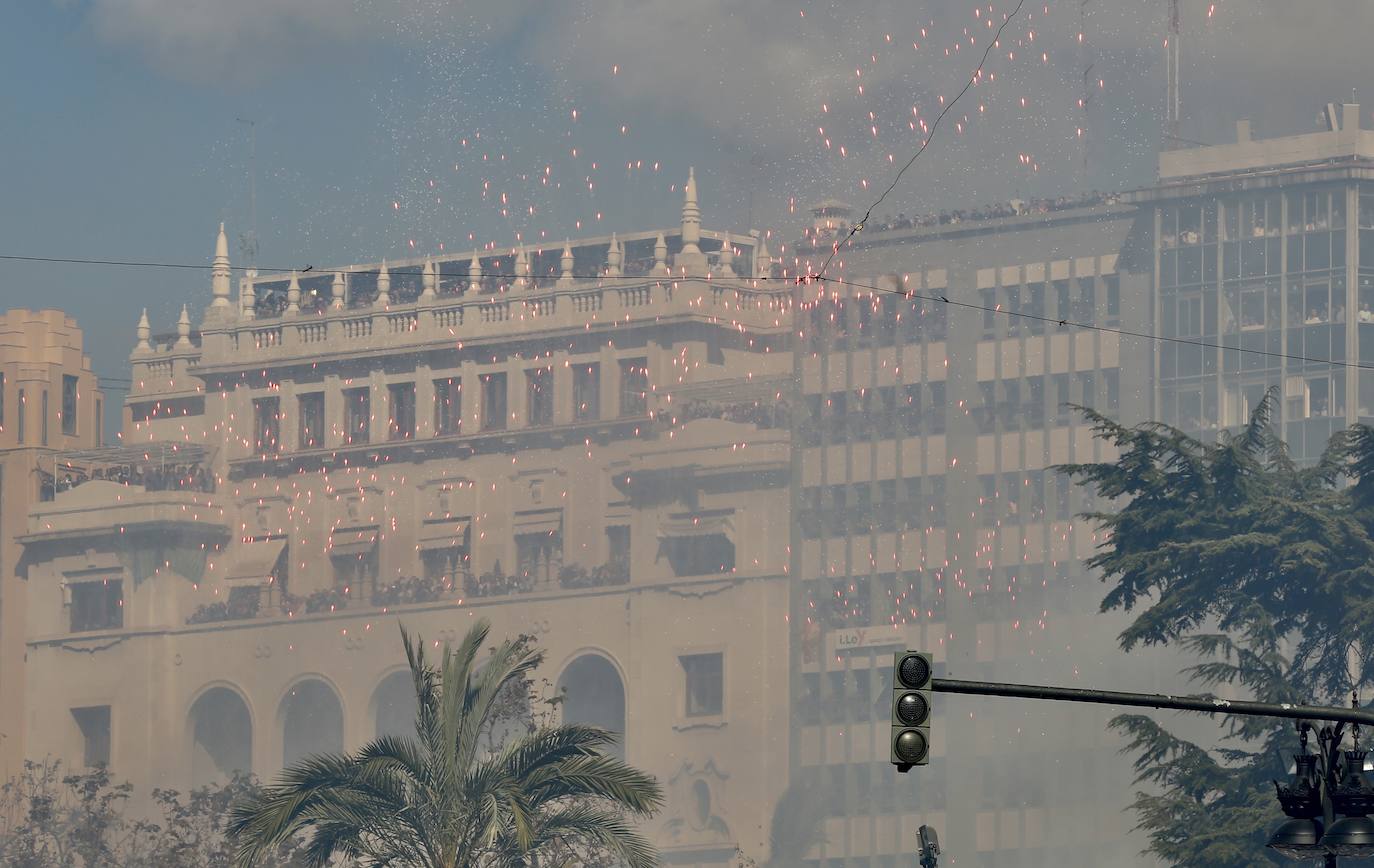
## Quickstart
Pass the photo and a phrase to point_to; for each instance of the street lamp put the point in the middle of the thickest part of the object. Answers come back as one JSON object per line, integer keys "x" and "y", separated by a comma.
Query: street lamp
{"x": 1326, "y": 784}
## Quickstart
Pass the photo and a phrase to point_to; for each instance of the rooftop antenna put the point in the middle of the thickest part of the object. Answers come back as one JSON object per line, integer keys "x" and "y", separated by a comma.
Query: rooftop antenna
{"x": 248, "y": 241}
{"x": 1172, "y": 107}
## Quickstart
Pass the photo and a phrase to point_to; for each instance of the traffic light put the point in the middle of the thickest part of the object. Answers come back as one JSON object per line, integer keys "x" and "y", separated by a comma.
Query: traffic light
{"x": 911, "y": 677}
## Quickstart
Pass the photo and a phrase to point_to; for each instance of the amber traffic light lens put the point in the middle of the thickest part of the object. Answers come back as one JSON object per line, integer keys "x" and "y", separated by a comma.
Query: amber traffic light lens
{"x": 912, "y": 709}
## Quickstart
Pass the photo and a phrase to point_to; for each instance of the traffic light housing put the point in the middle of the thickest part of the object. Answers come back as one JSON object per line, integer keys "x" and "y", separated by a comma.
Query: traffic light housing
{"x": 912, "y": 672}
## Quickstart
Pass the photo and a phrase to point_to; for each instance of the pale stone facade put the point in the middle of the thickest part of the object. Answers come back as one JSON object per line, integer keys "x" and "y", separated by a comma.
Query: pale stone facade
{"x": 49, "y": 400}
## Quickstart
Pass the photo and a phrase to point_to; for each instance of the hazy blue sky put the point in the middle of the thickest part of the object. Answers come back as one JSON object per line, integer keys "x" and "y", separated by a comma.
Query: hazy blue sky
{"x": 384, "y": 124}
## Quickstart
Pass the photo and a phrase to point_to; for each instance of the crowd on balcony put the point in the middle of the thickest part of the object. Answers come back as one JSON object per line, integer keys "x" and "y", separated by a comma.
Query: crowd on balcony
{"x": 1000, "y": 210}
{"x": 181, "y": 477}
{"x": 765, "y": 415}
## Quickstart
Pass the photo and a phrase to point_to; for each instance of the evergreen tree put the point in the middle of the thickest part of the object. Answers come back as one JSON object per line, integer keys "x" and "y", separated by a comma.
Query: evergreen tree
{"x": 1262, "y": 569}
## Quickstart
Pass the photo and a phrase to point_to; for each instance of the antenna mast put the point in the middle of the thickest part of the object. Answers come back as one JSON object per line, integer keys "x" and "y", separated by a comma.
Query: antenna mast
{"x": 1171, "y": 59}
{"x": 248, "y": 241}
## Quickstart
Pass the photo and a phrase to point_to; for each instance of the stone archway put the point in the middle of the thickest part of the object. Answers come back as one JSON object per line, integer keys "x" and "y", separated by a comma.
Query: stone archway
{"x": 311, "y": 721}
{"x": 221, "y": 730}
{"x": 595, "y": 695}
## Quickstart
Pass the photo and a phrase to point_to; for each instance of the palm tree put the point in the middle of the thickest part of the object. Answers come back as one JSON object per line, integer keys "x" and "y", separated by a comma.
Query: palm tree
{"x": 440, "y": 800}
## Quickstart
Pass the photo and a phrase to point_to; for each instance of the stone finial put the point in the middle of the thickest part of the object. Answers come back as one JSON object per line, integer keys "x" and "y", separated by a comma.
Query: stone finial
{"x": 429, "y": 280}
{"x": 220, "y": 272}
{"x": 336, "y": 291}
{"x": 763, "y": 260}
{"x": 523, "y": 273}
{"x": 474, "y": 273}
{"x": 565, "y": 263}
{"x": 614, "y": 257}
{"x": 691, "y": 216}
{"x": 144, "y": 331}
{"x": 183, "y": 329}
{"x": 383, "y": 286}
{"x": 660, "y": 255}
{"x": 293, "y": 295}
{"x": 248, "y": 298}
{"x": 727, "y": 257}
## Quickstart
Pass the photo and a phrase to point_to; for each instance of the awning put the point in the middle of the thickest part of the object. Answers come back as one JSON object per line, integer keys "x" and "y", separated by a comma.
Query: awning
{"x": 547, "y": 522}
{"x": 352, "y": 541}
{"x": 697, "y": 526}
{"x": 443, "y": 534}
{"x": 256, "y": 560}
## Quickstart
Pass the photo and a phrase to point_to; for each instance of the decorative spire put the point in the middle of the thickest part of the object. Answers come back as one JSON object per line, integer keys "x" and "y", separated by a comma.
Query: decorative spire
{"x": 660, "y": 255}
{"x": 727, "y": 257}
{"x": 690, "y": 260}
{"x": 691, "y": 216}
{"x": 220, "y": 272}
{"x": 613, "y": 258}
{"x": 383, "y": 286}
{"x": 183, "y": 329}
{"x": 336, "y": 291}
{"x": 565, "y": 263}
{"x": 145, "y": 331}
{"x": 429, "y": 280}
{"x": 474, "y": 273}
{"x": 293, "y": 295}
{"x": 763, "y": 260}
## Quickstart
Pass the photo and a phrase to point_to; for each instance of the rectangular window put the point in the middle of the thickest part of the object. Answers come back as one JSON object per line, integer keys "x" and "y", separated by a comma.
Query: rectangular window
{"x": 266, "y": 425}
{"x": 712, "y": 553}
{"x": 618, "y": 549}
{"x": 539, "y": 556}
{"x": 448, "y": 406}
{"x": 401, "y": 423}
{"x": 357, "y": 415}
{"x": 94, "y": 723}
{"x": 634, "y": 387}
{"x": 311, "y": 410}
{"x": 539, "y": 396}
{"x": 98, "y": 428}
{"x": 2, "y": 400}
{"x": 44, "y": 418}
{"x": 705, "y": 684}
{"x": 493, "y": 402}
{"x": 23, "y": 411}
{"x": 69, "y": 405}
{"x": 97, "y": 605}
{"x": 1113, "y": 380}
{"x": 586, "y": 393}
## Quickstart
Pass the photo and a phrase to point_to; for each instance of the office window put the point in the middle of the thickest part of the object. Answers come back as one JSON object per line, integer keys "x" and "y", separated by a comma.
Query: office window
{"x": 311, "y": 410}
{"x": 97, "y": 605}
{"x": 99, "y": 428}
{"x": 1113, "y": 381}
{"x": 448, "y": 406}
{"x": 44, "y": 418}
{"x": 586, "y": 393}
{"x": 357, "y": 415}
{"x": 23, "y": 411}
{"x": 539, "y": 396}
{"x": 401, "y": 422}
{"x": 94, "y": 723}
{"x": 705, "y": 684}
{"x": 634, "y": 387}
{"x": 69, "y": 405}
{"x": 266, "y": 425}
{"x": 493, "y": 402}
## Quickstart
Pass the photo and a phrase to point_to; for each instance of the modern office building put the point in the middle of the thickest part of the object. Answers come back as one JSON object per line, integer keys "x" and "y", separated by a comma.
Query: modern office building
{"x": 50, "y": 401}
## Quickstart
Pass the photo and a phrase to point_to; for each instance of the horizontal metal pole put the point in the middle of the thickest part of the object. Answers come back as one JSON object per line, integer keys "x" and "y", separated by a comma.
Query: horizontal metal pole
{"x": 1154, "y": 700}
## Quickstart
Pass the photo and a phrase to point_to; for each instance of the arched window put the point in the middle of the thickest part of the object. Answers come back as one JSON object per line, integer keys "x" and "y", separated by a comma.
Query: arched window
{"x": 595, "y": 696}
{"x": 311, "y": 721}
{"x": 394, "y": 707}
{"x": 221, "y": 737}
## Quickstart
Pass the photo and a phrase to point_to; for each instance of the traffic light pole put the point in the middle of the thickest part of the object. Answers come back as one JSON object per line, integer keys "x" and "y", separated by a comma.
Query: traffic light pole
{"x": 1154, "y": 700}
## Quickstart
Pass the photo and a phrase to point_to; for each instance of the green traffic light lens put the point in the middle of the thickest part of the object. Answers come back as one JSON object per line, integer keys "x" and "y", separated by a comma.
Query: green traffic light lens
{"x": 912, "y": 709}
{"x": 910, "y": 746}
{"x": 914, "y": 671}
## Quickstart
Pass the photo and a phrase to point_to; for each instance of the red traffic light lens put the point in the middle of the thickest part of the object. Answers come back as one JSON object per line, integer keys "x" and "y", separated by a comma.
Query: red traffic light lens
{"x": 914, "y": 671}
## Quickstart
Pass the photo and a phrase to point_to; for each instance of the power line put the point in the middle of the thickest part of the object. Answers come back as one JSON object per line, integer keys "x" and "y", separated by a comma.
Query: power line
{"x": 978, "y": 71}
{"x": 1196, "y": 342}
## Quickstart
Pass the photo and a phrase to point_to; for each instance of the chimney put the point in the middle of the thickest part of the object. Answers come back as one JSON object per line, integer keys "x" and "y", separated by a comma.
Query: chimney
{"x": 1242, "y": 132}
{"x": 1350, "y": 116}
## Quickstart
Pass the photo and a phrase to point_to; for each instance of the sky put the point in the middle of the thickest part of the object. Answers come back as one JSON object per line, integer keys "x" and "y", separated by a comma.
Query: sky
{"x": 388, "y": 128}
